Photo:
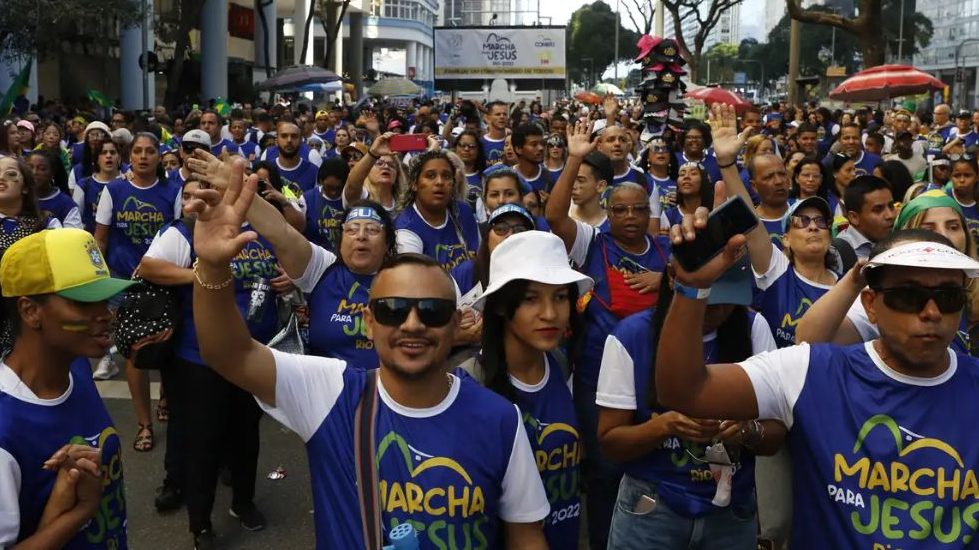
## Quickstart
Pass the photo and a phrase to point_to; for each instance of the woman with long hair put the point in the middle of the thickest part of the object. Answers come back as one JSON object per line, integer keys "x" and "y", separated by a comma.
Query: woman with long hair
{"x": 9, "y": 139}
{"x": 51, "y": 138}
{"x": 842, "y": 171}
{"x": 667, "y": 493}
{"x": 52, "y": 187}
{"x": 555, "y": 155}
{"x": 660, "y": 165}
{"x": 96, "y": 133}
{"x": 378, "y": 176}
{"x": 528, "y": 309}
{"x": 89, "y": 189}
{"x": 692, "y": 191}
{"x": 468, "y": 149}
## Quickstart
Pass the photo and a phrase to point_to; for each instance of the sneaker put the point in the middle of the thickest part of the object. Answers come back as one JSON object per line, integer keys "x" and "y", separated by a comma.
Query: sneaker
{"x": 107, "y": 369}
{"x": 204, "y": 540}
{"x": 251, "y": 519}
{"x": 168, "y": 498}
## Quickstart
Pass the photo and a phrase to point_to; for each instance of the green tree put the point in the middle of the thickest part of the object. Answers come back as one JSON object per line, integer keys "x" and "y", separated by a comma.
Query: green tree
{"x": 723, "y": 59}
{"x": 39, "y": 27}
{"x": 589, "y": 36}
{"x": 707, "y": 14}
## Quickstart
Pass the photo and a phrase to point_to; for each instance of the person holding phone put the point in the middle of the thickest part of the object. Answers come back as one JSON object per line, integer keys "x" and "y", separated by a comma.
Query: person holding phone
{"x": 378, "y": 176}
{"x": 284, "y": 195}
{"x": 626, "y": 264}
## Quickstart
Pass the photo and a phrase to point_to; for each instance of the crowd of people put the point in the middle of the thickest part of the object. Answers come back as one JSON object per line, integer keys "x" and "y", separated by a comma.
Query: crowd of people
{"x": 481, "y": 332}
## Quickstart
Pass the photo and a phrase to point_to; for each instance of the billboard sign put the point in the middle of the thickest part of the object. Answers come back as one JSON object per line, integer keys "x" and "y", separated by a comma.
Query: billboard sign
{"x": 499, "y": 52}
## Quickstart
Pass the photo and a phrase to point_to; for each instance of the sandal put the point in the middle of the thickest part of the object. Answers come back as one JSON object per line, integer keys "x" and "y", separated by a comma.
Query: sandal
{"x": 144, "y": 438}
{"x": 162, "y": 411}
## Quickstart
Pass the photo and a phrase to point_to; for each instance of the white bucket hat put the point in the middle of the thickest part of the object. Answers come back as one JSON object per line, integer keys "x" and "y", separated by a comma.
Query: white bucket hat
{"x": 926, "y": 254}
{"x": 535, "y": 256}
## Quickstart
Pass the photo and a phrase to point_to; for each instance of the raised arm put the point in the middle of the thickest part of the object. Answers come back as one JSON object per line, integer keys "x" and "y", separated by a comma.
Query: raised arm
{"x": 225, "y": 343}
{"x": 825, "y": 320}
{"x": 559, "y": 203}
{"x": 727, "y": 143}
{"x": 354, "y": 188}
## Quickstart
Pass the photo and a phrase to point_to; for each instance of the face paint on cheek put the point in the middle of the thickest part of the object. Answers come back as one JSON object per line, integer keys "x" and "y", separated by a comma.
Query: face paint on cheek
{"x": 76, "y": 326}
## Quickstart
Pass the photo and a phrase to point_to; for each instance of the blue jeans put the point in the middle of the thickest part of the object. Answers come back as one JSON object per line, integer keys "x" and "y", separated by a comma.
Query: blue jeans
{"x": 601, "y": 474}
{"x": 663, "y": 529}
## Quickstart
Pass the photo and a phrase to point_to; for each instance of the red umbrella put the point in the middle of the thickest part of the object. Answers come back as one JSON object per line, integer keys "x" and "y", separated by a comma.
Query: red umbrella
{"x": 712, "y": 95}
{"x": 886, "y": 82}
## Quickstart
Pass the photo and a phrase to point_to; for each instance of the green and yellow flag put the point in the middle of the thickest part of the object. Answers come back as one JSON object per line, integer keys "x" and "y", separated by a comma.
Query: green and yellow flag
{"x": 222, "y": 107}
{"x": 98, "y": 98}
{"x": 19, "y": 87}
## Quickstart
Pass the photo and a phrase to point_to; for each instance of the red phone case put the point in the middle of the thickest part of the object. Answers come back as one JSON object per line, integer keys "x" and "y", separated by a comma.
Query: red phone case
{"x": 408, "y": 142}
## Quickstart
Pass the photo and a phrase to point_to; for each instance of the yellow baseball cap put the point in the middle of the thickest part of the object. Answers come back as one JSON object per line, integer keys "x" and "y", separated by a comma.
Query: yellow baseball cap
{"x": 66, "y": 262}
{"x": 322, "y": 114}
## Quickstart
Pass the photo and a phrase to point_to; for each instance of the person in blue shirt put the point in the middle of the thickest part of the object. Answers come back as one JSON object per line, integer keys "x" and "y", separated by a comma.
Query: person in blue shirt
{"x": 883, "y": 406}
{"x": 506, "y": 220}
{"x": 771, "y": 185}
{"x": 492, "y": 141}
{"x": 842, "y": 171}
{"x": 20, "y": 213}
{"x": 240, "y": 143}
{"x": 660, "y": 166}
{"x": 88, "y": 190}
{"x": 963, "y": 190}
{"x": 963, "y": 133}
{"x": 528, "y": 145}
{"x": 696, "y": 143}
{"x": 555, "y": 153}
{"x": 211, "y": 122}
{"x": 324, "y": 204}
{"x": 626, "y": 264}
{"x": 668, "y": 497}
{"x": 615, "y": 142}
{"x": 61, "y": 472}
{"x": 51, "y": 184}
{"x": 292, "y": 167}
{"x": 590, "y": 185}
{"x": 692, "y": 192}
{"x": 95, "y": 133}
{"x": 434, "y": 221}
{"x": 461, "y": 447}
{"x": 467, "y": 147}
{"x": 852, "y": 146}
{"x": 528, "y": 308}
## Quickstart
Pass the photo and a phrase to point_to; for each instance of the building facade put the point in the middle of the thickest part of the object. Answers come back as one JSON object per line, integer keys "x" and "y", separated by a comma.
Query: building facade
{"x": 956, "y": 27}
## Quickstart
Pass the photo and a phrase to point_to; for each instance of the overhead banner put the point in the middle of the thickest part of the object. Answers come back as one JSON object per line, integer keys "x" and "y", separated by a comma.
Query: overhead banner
{"x": 499, "y": 52}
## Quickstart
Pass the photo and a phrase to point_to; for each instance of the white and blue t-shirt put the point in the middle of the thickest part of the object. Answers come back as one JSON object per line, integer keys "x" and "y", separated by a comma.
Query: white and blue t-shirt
{"x": 539, "y": 182}
{"x": 134, "y": 216}
{"x": 324, "y": 217}
{"x": 969, "y": 138}
{"x": 31, "y": 430}
{"x": 454, "y": 471}
{"x": 665, "y": 190}
{"x": 971, "y": 213}
{"x": 685, "y": 485}
{"x": 451, "y": 243}
{"x": 492, "y": 149}
{"x": 784, "y": 297}
{"x": 633, "y": 174}
{"x": 881, "y": 458}
{"x": 224, "y": 145}
{"x": 86, "y": 195}
{"x": 62, "y": 208}
{"x": 303, "y": 175}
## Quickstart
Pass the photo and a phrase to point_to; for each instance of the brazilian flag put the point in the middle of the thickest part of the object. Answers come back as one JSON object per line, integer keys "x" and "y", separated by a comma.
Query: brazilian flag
{"x": 98, "y": 98}
{"x": 18, "y": 88}
{"x": 222, "y": 107}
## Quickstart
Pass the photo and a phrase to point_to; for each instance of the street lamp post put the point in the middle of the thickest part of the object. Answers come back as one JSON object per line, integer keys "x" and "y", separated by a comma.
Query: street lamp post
{"x": 591, "y": 72}
{"x": 900, "y": 35}
{"x": 616, "y": 60}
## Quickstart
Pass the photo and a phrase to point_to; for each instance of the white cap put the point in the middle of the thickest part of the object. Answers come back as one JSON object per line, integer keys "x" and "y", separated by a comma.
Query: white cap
{"x": 123, "y": 135}
{"x": 550, "y": 265}
{"x": 200, "y": 137}
{"x": 97, "y": 125}
{"x": 925, "y": 254}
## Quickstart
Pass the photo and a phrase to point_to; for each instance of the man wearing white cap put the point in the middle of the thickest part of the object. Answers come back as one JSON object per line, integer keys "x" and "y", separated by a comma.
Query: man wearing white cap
{"x": 882, "y": 455}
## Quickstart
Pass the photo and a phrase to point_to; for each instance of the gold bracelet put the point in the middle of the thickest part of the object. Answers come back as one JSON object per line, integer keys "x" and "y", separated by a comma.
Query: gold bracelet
{"x": 210, "y": 286}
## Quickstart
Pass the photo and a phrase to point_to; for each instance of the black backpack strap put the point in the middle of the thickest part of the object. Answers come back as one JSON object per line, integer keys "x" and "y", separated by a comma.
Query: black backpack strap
{"x": 845, "y": 255}
{"x": 367, "y": 484}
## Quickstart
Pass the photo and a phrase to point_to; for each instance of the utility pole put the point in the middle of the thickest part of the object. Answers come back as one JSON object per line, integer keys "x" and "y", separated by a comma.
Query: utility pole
{"x": 900, "y": 35}
{"x": 144, "y": 55}
{"x": 794, "y": 62}
{"x": 658, "y": 18}
{"x": 616, "y": 60}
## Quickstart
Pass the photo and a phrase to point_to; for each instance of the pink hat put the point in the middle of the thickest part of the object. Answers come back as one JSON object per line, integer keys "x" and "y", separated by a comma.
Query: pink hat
{"x": 26, "y": 124}
{"x": 646, "y": 44}
{"x": 394, "y": 124}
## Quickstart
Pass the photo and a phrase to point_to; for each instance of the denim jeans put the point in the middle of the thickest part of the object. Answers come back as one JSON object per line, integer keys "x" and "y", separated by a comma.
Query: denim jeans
{"x": 601, "y": 474}
{"x": 663, "y": 529}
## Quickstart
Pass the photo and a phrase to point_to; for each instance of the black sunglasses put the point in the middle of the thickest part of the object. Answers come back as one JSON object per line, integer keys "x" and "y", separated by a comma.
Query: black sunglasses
{"x": 913, "y": 298}
{"x": 394, "y": 311}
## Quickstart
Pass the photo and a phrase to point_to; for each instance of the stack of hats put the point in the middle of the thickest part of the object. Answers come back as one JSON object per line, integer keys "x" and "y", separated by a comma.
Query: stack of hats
{"x": 661, "y": 89}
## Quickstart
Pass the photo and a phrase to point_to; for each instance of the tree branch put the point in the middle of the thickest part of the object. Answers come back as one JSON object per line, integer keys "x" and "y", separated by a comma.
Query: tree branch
{"x": 825, "y": 18}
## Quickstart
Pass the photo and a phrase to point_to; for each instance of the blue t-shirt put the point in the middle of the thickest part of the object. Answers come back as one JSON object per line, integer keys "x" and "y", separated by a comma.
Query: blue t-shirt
{"x": 303, "y": 175}
{"x": 492, "y": 150}
{"x": 475, "y": 180}
{"x": 32, "y": 431}
{"x": 224, "y": 144}
{"x": 137, "y": 215}
{"x": 323, "y": 219}
{"x": 553, "y": 175}
{"x": 443, "y": 243}
{"x": 971, "y": 213}
{"x": 880, "y": 458}
{"x": 634, "y": 175}
{"x": 673, "y": 217}
{"x": 464, "y": 275}
{"x": 665, "y": 188}
{"x": 784, "y": 297}
{"x": 540, "y": 182}
{"x": 272, "y": 152}
{"x": 329, "y": 136}
{"x": 708, "y": 162}
{"x": 336, "y": 317}
{"x": 59, "y": 204}
{"x": 684, "y": 484}
{"x": 774, "y": 230}
{"x": 92, "y": 189}
{"x": 969, "y": 139}
{"x": 247, "y": 148}
{"x": 549, "y": 417}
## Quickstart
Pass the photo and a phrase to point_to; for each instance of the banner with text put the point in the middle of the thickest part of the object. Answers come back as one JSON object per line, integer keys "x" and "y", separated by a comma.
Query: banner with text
{"x": 499, "y": 52}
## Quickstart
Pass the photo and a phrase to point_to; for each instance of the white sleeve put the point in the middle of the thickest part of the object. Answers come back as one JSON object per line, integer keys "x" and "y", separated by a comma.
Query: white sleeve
{"x": 655, "y": 209}
{"x": 777, "y": 267}
{"x": 858, "y": 316}
{"x": 408, "y": 241}
{"x": 178, "y": 206}
{"x": 761, "y": 336}
{"x": 72, "y": 180}
{"x": 777, "y": 378}
{"x": 9, "y": 499}
{"x": 306, "y": 388}
{"x": 53, "y": 223}
{"x": 315, "y": 158}
{"x": 73, "y": 219}
{"x": 78, "y": 195}
{"x": 104, "y": 214}
{"x": 617, "y": 379}
{"x": 523, "y": 499}
{"x": 319, "y": 261}
{"x": 583, "y": 238}
{"x": 170, "y": 246}
{"x": 664, "y": 222}
{"x": 363, "y": 195}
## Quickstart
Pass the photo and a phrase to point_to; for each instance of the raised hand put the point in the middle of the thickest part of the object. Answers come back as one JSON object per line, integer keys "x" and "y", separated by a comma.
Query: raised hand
{"x": 209, "y": 170}
{"x": 686, "y": 231}
{"x": 611, "y": 105}
{"x": 727, "y": 143}
{"x": 579, "y": 139}
{"x": 382, "y": 145}
{"x": 217, "y": 234}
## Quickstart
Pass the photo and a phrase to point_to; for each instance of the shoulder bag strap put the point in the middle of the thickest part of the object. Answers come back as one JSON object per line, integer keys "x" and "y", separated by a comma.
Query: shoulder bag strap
{"x": 367, "y": 485}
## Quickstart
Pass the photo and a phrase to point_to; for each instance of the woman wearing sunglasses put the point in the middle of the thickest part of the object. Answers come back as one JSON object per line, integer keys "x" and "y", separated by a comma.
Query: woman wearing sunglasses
{"x": 668, "y": 493}
{"x": 626, "y": 265}
{"x": 528, "y": 308}
{"x": 839, "y": 316}
{"x": 555, "y": 155}
{"x": 661, "y": 167}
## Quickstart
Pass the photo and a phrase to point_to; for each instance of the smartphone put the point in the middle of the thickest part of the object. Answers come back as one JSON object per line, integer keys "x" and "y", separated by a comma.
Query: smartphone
{"x": 731, "y": 218}
{"x": 403, "y": 143}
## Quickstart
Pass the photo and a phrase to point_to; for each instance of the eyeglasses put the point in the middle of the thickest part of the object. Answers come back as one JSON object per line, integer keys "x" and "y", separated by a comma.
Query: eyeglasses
{"x": 555, "y": 144}
{"x": 914, "y": 298}
{"x": 623, "y": 210}
{"x": 369, "y": 229}
{"x": 10, "y": 175}
{"x": 659, "y": 149}
{"x": 503, "y": 229}
{"x": 801, "y": 221}
{"x": 394, "y": 311}
{"x": 959, "y": 156}
{"x": 466, "y": 146}
{"x": 381, "y": 163}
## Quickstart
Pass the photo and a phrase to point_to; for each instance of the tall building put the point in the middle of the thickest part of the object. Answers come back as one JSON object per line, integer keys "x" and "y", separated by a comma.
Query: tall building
{"x": 727, "y": 29}
{"x": 489, "y": 12}
{"x": 954, "y": 22}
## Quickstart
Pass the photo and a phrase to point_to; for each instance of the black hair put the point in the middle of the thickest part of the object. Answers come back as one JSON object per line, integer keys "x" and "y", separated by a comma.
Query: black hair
{"x": 671, "y": 169}
{"x": 59, "y": 178}
{"x": 274, "y": 178}
{"x": 520, "y": 134}
{"x": 155, "y": 140}
{"x": 971, "y": 162}
{"x": 824, "y": 188}
{"x": 11, "y": 322}
{"x": 897, "y": 176}
{"x": 854, "y": 196}
{"x": 733, "y": 336}
{"x": 706, "y": 189}
{"x": 480, "y": 162}
{"x": 215, "y": 113}
{"x": 601, "y": 166}
{"x": 892, "y": 239}
{"x": 336, "y": 167}
{"x": 805, "y": 128}
{"x": 386, "y": 221}
{"x": 491, "y": 104}
{"x": 499, "y": 309}
{"x": 875, "y": 136}
{"x": 694, "y": 124}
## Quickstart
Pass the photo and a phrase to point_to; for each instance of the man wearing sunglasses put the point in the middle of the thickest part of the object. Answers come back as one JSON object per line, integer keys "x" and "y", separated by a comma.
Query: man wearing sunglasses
{"x": 449, "y": 456}
{"x": 879, "y": 432}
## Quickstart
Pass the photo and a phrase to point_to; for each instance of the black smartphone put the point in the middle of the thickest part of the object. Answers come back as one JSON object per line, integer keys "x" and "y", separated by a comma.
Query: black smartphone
{"x": 731, "y": 218}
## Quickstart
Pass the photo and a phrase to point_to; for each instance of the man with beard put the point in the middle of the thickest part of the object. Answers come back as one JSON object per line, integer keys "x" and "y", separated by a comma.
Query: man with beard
{"x": 528, "y": 145}
{"x": 616, "y": 144}
{"x": 292, "y": 168}
{"x": 457, "y": 446}
{"x": 324, "y": 126}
